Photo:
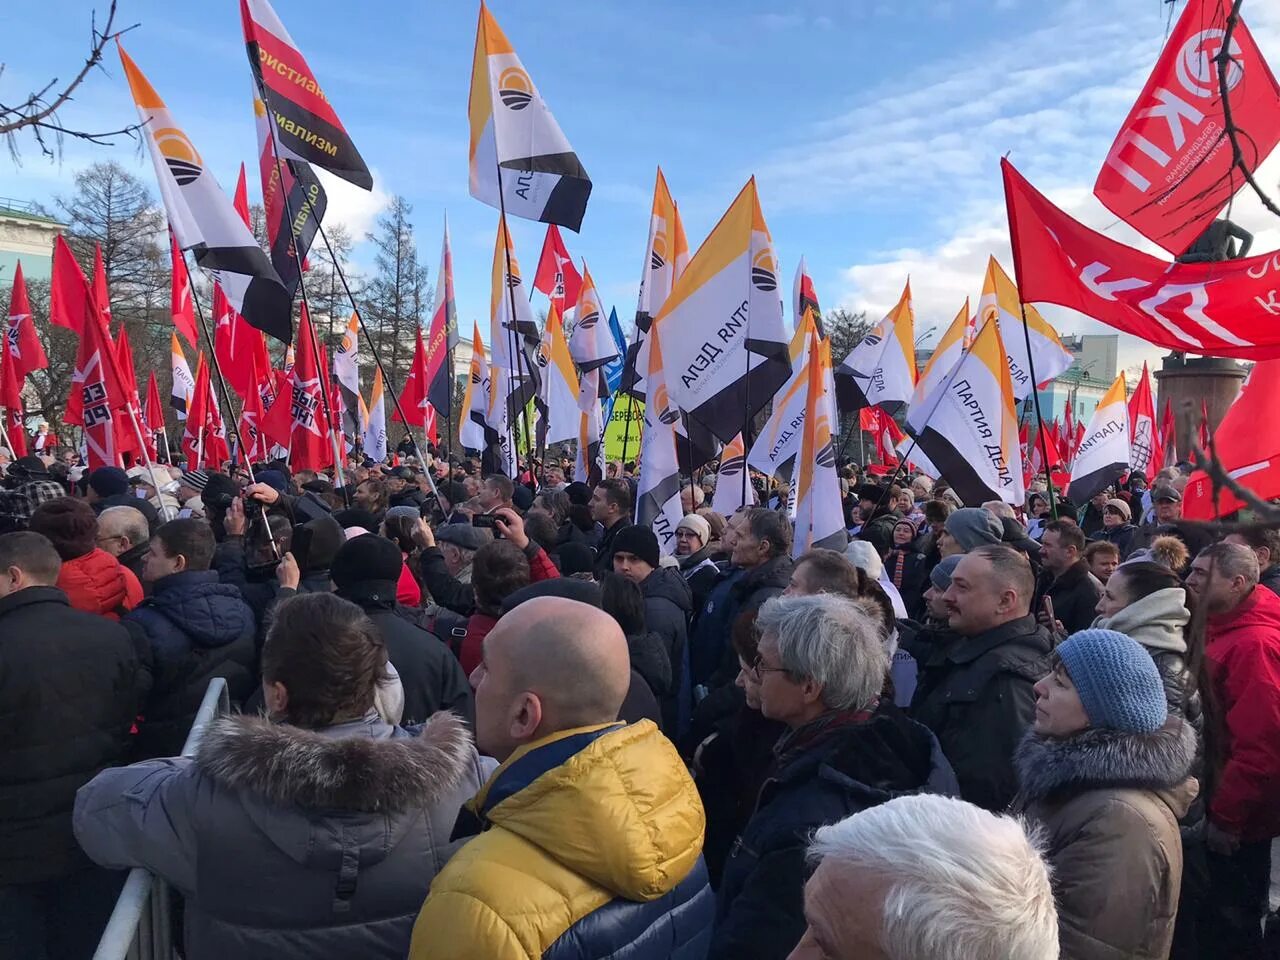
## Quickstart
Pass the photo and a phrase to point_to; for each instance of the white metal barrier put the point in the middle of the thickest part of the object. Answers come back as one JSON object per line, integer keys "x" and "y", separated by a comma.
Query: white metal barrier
{"x": 141, "y": 927}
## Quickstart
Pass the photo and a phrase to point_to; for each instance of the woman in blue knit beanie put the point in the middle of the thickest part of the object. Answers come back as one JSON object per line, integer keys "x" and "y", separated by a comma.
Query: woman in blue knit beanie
{"x": 1104, "y": 771}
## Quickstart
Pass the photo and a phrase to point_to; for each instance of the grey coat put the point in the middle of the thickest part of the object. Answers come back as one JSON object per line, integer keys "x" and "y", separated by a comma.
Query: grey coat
{"x": 290, "y": 843}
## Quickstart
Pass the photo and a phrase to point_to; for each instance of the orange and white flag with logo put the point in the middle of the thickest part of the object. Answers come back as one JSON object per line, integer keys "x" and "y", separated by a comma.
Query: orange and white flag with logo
{"x": 819, "y": 514}
{"x": 1047, "y": 357}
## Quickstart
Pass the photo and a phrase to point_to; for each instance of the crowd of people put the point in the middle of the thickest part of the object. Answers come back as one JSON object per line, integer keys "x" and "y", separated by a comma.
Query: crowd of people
{"x": 487, "y": 717}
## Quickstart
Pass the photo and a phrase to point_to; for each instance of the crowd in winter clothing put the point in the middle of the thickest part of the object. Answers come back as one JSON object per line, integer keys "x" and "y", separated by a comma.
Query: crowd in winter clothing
{"x": 480, "y": 716}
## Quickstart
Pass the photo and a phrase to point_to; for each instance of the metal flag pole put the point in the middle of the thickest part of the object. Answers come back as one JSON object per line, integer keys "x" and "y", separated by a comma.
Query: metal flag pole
{"x": 1035, "y": 393}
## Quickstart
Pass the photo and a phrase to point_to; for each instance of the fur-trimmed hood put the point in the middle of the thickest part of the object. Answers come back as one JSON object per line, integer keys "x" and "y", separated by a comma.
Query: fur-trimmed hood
{"x": 1099, "y": 758}
{"x": 291, "y": 767}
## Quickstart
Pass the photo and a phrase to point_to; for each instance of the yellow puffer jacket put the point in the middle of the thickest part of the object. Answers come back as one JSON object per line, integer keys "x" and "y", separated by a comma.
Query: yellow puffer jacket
{"x": 591, "y": 841}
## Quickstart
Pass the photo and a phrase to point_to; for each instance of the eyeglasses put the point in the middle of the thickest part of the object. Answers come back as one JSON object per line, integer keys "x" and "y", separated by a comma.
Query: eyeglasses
{"x": 758, "y": 671}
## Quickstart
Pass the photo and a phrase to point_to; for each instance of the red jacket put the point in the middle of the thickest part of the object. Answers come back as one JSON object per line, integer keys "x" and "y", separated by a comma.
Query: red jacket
{"x": 95, "y": 582}
{"x": 1243, "y": 655}
{"x": 478, "y": 627}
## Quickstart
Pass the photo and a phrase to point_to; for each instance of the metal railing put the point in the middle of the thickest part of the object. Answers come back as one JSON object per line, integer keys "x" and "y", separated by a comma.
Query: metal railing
{"x": 140, "y": 927}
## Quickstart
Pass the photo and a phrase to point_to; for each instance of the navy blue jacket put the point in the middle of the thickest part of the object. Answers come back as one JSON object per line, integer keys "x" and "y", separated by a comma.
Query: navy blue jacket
{"x": 760, "y": 903}
{"x": 197, "y": 629}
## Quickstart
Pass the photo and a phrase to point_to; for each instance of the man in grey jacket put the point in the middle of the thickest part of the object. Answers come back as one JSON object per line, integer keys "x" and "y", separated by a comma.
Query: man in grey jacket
{"x": 312, "y": 834}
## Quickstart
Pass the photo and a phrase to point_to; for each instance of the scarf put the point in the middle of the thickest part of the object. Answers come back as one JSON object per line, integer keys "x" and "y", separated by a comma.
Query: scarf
{"x": 801, "y": 740}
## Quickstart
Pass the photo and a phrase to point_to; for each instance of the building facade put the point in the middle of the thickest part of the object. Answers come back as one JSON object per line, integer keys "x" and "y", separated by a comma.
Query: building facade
{"x": 1082, "y": 385}
{"x": 26, "y": 235}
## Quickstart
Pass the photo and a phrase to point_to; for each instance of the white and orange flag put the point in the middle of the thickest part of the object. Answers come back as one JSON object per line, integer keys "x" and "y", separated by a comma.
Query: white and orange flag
{"x": 511, "y": 379}
{"x": 658, "y": 488}
{"x": 731, "y": 491}
{"x": 375, "y": 430}
{"x": 819, "y": 512}
{"x": 955, "y": 341}
{"x": 666, "y": 254}
{"x": 590, "y": 343}
{"x": 559, "y": 390}
{"x": 473, "y": 423}
{"x": 724, "y": 341}
{"x": 1047, "y": 355}
{"x": 971, "y": 434}
{"x": 881, "y": 369}
{"x": 184, "y": 384}
{"x": 1103, "y": 456}
{"x": 779, "y": 440}
{"x": 513, "y": 131}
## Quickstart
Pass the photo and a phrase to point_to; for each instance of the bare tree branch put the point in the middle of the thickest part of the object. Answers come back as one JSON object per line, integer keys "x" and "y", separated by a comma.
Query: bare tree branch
{"x": 1266, "y": 513}
{"x": 1233, "y": 132}
{"x": 39, "y": 112}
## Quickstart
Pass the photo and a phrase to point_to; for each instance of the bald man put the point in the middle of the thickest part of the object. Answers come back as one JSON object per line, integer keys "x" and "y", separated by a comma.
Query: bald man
{"x": 590, "y": 832}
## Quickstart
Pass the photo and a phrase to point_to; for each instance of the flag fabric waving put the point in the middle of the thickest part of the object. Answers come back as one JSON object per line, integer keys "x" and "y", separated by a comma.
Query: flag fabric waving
{"x": 101, "y": 295}
{"x": 97, "y": 401}
{"x": 559, "y": 394}
{"x": 346, "y": 371}
{"x": 658, "y": 487}
{"x": 730, "y": 494}
{"x": 442, "y": 334}
{"x": 180, "y": 306}
{"x": 184, "y": 385}
{"x": 1168, "y": 437}
{"x": 1145, "y": 454}
{"x": 512, "y": 379}
{"x": 557, "y": 277}
{"x": 307, "y": 128}
{"x": 69, "y": 301}
{"x": 1226, "y": 309}
{"x": 724, "y": 342}
{"x": 22, "y": 347}
{"x": 129, "y": 382}
{"x": 311, "y": 446}
{"x": 195, "y": 433}
{"x": 1247, "y": 443}
{"x": 613, "y": 370}
{"x": 881, "y": 369}
{"x": 779, "y": 439}
{"x": 819, "y": 514}
{"x": 1204, "y": 431}
{"x": 375, "y": 432}
{"x": 1169, "y": 171}
{"x": 666, "y": 254}
{"x": 473, "y": 426}
{"x": 1104, "y": 454}
{"x": 204, "y": 220}
{"x": 515, "y": 137}
{"x": 1047, "y": 358}
{"x": 590, "y": 344}
{"x": 804, "y": 297}
{"x": 950, "y": 348}
{"x": 152, "y": 410}
{"x": 11, "y": 401}
{"x": 971, "y": 431}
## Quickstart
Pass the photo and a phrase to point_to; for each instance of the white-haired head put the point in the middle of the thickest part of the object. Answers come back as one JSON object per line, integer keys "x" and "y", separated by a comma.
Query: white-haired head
{"x": 960, "y": 883}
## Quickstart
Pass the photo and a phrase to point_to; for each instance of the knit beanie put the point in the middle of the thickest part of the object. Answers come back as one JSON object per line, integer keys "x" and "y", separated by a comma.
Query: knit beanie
{"x": 697, "y": 526}
{"x": 974, "y": 527}
{"x": 366, "y": 558}
{"x": 274, "y": 479}
{"x": 864, "y": 556}
{"x": 1118, "y": 682}
{"x": 641, "y": 541}
{"x": 109, "y": 482}
{"x": 940, "y": 575}
{"x": 195, "y": 479}
{"x": 579, "y": 493}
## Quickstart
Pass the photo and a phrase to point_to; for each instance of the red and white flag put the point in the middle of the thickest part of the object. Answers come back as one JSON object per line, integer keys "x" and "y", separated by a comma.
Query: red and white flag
{"x": 1169, "y": 171}
{"x": 180, "y": 306}
{"x": 297, "y": 420}
{"x": 557, "y": 277}
{"x": 152, "y": 409}
{"x": 97, "y": 400}
{"x": 1145, "y": 454}
{"x": 1247, "y": 442}
{"x": 11, "y": 400}
{"x": 129, "y": 380}
{"x": 21, "y": 345}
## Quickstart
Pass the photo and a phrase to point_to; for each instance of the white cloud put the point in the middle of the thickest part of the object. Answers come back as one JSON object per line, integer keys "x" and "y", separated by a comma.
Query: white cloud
{"x": 354, "y": 208}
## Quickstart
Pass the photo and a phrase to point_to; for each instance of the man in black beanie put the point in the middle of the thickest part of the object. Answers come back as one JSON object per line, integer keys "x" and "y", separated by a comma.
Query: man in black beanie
{"x": 668, "y": 603}
{"x": 365, "y": 571}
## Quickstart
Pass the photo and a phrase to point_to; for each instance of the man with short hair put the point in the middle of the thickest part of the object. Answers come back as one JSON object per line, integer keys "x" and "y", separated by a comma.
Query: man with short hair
{"x": 1265, "y": 543}
{"x": 1065, "y": 579}
{"x": 496, "y": 492}
{"x": 1242, "y": 651}
{"x": 928, "y": 877}
{"x": 197, "y": 628}
{"x": 123, "y": 533}
{"x": 1166, "y": 504}
{"x": 976, "y": 677}
{"x": 590, "y": 832}
{"x": 69, "y": 692}
{"x": 445, "y": 562}
{"x": 1102, "y": 557}
{"x": 611, "y": 508}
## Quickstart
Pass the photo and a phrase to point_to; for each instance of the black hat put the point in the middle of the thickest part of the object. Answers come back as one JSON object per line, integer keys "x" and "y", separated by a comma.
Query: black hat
{"x": 576, "y": 558}
{"x": 109, "y": 481}
{"x": 522, "y": 497}
{"x": 584, "y": 591}
{"x": 30, "y": 467}
{"x": 366, "y": 557}
{"x": 641, "y": 541}
{"x": 356, "y": 517}
{"x": 579, "y": 493}
{"x": 403, "y": 473}
{"x": 869, "y": 491}
{"x": 453, "y": 491}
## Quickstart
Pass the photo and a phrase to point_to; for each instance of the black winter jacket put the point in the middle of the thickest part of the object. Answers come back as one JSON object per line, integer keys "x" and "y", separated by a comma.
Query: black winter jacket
{"x": 1074, "y": 594}
{"x": 668, "y": 603}
{"x": 760, "y": 903}
{"x": 975, "y": 694}
{"x": 430, "y": 675}
{"x": 445, "y": 589}
{"x": 68, "y": 695}
{"x": 197, "y": 629}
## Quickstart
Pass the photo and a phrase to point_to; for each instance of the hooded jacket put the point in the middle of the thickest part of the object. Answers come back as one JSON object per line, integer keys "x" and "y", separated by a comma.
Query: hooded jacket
{"x": 591, "y": 847}
{"x": 95, "y": 582}
{"x": 68, "y": 695}
{"x": 1109, "y": 803}
{"x": 975, "y": 694}
{"x": 290, "y": 843}
{"x": 1243, "y": 653}
{"x": 760, "y": 902}
{"x": 1157, "y": 622}
{"x": 197, "y": 629}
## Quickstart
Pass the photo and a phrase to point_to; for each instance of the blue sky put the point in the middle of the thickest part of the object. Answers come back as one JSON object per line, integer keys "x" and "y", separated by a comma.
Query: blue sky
{"x": 874, "y": 127}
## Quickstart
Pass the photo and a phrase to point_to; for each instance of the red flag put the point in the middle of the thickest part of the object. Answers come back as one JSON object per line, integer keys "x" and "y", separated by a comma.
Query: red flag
{"x": 888, "y": 436}
{"x": 307, "y": 435}
{"x": 97, "y": 400}
{"x": 867, "y": 418}
{"x": 69, "y": 298}
{"x": 413, "y": 398}
{"x": 1247, "y": 441}
{"x": 193, "y": 429}
{"x": 11, "y": 400}
{"x": 1168, "y": 436}
{"x": 1068, "y": 421}
{"x": 557, "y": 277}
{"x": 153, "y": 410}
{"x": 1204, "y": 426}
{"x": 129, "y": 381}
{"x": 1144, "y": 440}
{"x": 22, "y": 346}
{"x": 184, "y": 317}
{"x": 1169, "y": 171}
{"x": 1228, "y": 309}
{"x": 252, "y": 416}
{"x": 101, "y": 295}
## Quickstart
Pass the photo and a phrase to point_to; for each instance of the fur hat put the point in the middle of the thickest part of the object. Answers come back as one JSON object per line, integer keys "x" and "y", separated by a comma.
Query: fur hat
{"x": 1118, "y": 682}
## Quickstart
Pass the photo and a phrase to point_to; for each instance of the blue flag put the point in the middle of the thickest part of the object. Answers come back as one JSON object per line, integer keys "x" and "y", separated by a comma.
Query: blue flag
{"x": 613, "y": 369}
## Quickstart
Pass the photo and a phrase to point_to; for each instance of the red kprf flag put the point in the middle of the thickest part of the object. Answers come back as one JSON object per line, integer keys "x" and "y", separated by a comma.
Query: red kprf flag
{"x": 70, "y": 301}
{"x": 21, "y": 345}
{"x": 129, "y": 381}
{"x": 1169, "y": 171}
{"x": 1168, "y": 436}
{"x": 192, "y": 434}
{"x": 413, "y": 398}
{"x": 11, "y": 400}
{"x": 557, "y": 277}
{"x": 153, "y": 409}
{"x": 98, "y": 401}
{"x": 180, "y": 306}
{"x": 310, "y": 447}
{"x": 101, "y": 295}
{"x": 1144, "y": 439}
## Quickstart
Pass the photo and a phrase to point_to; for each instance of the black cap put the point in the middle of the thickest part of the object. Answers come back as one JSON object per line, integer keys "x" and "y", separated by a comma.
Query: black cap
{"x": 1165, "y": 492}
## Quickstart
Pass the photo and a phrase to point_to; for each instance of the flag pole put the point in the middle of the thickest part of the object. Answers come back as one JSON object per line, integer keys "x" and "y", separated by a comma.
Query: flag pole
{"x": 1035, "y": 394}
{"x": 514, "y": 334}
{"x": 213, "y": 363}
{"x": 388, "y": 386}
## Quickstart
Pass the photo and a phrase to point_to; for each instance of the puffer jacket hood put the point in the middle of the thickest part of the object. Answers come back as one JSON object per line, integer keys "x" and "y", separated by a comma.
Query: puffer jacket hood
{"x": 666, "y": 583}
{"x": 211, "y": 614}
{"x": 95, "y": 582}
{"x": 620, "y": 812}
{"x": 1156, "y": 621}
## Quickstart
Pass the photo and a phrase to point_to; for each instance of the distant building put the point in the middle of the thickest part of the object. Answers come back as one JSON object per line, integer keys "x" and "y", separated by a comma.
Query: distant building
{"x": 1086, "y": 381}
{"x": 27, "y": 236}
